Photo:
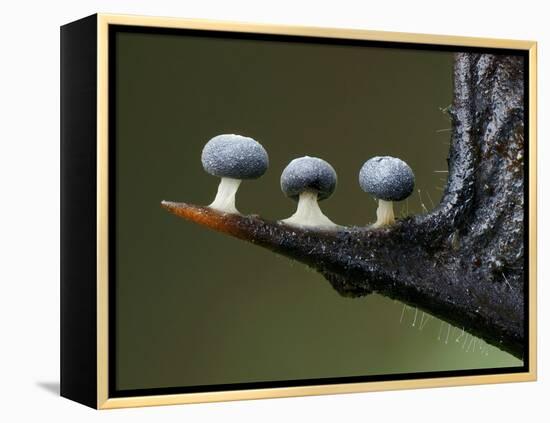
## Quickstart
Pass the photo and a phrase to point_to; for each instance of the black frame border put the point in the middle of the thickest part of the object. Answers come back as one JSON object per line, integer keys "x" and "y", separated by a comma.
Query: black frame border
{"x": 78, "y": 211}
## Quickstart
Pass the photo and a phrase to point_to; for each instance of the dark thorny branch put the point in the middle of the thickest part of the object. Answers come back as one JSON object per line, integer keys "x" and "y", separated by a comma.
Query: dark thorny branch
{"x": 463, "y": 261}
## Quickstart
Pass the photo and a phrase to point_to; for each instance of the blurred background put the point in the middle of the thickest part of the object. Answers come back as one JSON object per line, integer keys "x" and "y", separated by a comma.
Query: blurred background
{"x": 195, "y": 307}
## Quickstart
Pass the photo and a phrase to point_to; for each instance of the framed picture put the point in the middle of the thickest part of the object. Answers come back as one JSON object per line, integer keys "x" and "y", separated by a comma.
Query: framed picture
{"x": 254, "y": 211}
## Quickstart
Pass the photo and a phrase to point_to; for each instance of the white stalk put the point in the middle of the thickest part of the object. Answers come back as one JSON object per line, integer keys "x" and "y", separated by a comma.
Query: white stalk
{"x": 384, "y": 214}
{"x": 308, "y": 213}
{"x": 225, "y": 198}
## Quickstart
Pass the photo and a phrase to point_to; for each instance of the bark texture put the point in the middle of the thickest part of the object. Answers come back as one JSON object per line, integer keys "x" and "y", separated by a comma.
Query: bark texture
{"x": 462, "y": 262}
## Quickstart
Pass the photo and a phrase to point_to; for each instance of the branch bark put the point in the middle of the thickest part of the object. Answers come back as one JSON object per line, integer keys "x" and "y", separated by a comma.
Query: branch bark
{"x": 462, "y": 262}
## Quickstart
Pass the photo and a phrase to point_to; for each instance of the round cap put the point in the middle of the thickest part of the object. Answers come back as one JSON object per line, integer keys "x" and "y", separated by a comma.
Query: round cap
{"x": 387, "y": 178}
{"x": 308, "y": 173}
{"x": 234, "y": 156}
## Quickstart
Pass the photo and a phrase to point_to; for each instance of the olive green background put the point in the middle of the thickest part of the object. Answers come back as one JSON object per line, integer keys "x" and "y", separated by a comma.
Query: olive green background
{"x": 194, "y": 307}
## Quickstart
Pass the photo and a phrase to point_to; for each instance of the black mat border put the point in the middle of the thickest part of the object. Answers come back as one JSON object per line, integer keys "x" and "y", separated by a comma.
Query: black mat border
{"x": 112, "y": 31}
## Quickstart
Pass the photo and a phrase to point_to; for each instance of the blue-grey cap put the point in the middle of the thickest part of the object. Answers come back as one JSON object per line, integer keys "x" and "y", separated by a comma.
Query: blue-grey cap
{"x": 387, "y": 178}
{"x": 308, "y": 173}
{"x": 234, "y": 156}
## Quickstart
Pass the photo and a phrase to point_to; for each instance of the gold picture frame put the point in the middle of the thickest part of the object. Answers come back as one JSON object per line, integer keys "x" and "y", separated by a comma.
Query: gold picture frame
{"x": 99, "y": 25}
